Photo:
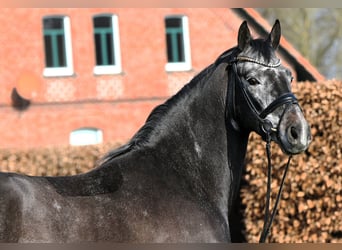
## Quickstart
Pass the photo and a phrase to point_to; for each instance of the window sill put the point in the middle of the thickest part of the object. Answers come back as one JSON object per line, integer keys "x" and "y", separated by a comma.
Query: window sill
{"x": 107, "y": 70}
{"x": 55, "y": 72}
{"x": 171, "y": 67}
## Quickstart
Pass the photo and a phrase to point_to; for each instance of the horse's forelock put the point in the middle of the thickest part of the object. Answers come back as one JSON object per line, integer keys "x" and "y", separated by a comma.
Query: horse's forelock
{"x": 263, "y": 50}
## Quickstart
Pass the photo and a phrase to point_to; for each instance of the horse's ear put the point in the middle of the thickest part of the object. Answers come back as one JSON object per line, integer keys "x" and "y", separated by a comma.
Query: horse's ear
{"x": 244, "y": 36}
{"x": 274, "y": 36}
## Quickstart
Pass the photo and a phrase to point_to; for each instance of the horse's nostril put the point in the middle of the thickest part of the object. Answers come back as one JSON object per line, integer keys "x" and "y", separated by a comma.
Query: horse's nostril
{"x": 294, "y": 133}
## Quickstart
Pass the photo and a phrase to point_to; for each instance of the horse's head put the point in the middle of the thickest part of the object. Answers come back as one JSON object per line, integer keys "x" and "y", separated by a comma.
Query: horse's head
{"x": 261, "y": 89}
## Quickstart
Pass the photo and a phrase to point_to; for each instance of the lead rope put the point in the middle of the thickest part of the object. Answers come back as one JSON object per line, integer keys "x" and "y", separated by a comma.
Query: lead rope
{"x": 268, "y": 221}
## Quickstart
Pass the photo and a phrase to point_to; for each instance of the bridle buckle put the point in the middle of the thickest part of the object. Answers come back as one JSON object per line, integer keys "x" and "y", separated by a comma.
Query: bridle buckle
{"x": 267, "y": 126}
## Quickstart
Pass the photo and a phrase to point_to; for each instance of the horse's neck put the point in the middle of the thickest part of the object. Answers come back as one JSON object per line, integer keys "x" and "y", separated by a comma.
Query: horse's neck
{"x": 195, "y": 143}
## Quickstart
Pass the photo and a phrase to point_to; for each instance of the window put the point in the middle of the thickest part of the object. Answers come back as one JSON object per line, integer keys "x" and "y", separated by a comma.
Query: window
{"x": 177, "y": 43}
{"x": 85, "y": 136}
{"x": 107, "y": 45}
{"x": 57, "y": 45}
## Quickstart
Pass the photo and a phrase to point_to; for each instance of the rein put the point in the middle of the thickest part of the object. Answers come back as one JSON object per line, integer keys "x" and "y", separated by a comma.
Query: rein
{"x": 267, "y": 219}
{"x": 266, "y": 126}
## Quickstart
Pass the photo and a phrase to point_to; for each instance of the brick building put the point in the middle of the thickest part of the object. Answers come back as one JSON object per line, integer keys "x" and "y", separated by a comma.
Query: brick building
{"x": 79, "y": 76}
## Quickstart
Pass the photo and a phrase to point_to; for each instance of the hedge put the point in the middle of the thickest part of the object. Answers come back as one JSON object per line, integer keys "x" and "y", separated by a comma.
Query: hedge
{"x": 311, "y": 206}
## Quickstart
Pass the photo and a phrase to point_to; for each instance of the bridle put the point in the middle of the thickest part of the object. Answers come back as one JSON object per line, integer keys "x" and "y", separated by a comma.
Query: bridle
{"x": 265, "y": 124}
{"x": 238, "y": 82}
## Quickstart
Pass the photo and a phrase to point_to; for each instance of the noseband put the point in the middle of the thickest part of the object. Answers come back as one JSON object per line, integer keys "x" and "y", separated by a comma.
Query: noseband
{"x": 266, "y": 126}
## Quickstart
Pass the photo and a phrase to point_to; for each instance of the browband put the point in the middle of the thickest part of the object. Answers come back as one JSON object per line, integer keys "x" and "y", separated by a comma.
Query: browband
{"x": 248, "y": 59}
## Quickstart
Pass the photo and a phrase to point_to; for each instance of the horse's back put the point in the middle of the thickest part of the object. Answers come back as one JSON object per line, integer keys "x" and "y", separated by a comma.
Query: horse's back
{"x": 25, "y": 211}
{"x": 10, "y": 208}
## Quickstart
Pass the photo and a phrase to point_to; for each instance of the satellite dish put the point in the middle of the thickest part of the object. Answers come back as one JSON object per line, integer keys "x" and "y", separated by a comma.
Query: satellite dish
{"x": 19, "y": 102}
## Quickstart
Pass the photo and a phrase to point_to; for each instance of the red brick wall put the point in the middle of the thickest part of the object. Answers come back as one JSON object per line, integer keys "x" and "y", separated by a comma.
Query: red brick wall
{"x": 117, "y": 104}
{"x": 51, "y": 124}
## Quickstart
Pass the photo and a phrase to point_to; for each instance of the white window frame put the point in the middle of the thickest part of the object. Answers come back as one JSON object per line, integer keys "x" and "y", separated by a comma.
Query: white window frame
{"x": 85, "y": 136}
{"x": 117, "y": 68}
{"x": 69, "y": 69}
{"x": 187, "y": 65}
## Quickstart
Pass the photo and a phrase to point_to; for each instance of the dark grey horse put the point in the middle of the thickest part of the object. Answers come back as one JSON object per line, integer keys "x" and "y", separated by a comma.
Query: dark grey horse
{"x": 176, "y": 179}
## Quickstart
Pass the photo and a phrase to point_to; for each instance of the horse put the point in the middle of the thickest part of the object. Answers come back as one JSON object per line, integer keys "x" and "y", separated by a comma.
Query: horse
{"x": 177, "y": 178}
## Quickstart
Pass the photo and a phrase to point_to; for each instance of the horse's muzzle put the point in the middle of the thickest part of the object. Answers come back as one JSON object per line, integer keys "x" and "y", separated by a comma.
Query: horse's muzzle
{"x": 294, "y": 134}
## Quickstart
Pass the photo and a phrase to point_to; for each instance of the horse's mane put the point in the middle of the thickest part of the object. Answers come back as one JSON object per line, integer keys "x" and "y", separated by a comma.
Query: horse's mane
{"x": 158, "y": 113}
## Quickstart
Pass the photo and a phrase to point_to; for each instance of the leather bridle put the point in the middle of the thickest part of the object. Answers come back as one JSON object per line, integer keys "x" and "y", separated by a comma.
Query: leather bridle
{"x": 265, "y": 124}
{"x": 237, "y": 82}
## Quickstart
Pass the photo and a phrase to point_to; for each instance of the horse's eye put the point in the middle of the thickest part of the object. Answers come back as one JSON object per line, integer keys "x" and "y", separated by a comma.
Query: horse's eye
{"x": 292, "y": 78}
{"x": 253, "y": 81}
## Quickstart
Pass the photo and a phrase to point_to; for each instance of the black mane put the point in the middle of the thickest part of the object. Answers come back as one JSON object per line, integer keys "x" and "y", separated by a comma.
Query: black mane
{"x": 160, "y": 111}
